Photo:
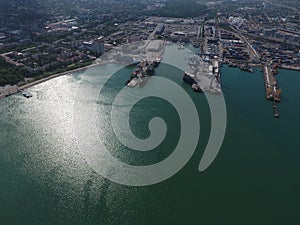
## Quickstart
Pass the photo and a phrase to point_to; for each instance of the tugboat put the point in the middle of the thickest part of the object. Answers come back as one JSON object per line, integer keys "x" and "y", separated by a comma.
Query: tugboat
{"x": 197, "y": 88}
{"x": 149, "y": 70}
{"x": 188, "y": 79}
{"x": 156, "y": 63}
{"x": 127, "y": 82}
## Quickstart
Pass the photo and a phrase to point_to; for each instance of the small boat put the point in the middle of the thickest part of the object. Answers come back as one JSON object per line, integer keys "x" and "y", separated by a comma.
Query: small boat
{"x": 181, "y": 47}
{"x": 133, "y": 82}
{"x": 26, "y": 94}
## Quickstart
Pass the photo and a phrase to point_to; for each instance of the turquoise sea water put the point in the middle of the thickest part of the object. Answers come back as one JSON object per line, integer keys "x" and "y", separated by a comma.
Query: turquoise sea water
{"x": 255, "y": 179}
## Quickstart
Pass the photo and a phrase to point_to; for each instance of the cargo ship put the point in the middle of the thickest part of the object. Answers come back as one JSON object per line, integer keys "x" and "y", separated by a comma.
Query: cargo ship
{"x": 191, "y": 81}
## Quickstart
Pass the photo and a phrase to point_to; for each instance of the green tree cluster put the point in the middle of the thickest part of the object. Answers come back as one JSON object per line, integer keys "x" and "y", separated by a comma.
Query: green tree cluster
{"x": 184, "y": 9}
{"x": 10, "y": 74}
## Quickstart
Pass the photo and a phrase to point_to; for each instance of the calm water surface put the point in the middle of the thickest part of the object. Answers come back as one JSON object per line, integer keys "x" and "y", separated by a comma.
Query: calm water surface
{"x": 255, "y": 179}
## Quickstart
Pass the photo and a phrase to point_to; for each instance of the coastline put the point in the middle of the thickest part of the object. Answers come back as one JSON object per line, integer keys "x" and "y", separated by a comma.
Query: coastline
{"x": 285, "y": 67}
{"x": 25, "y": 86}
{"x": 11, "y": 90}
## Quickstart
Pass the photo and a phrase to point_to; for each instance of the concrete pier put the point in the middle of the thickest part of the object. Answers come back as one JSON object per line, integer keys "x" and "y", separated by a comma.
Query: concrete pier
{"x": 275, "y": 107}
{"x": 272, "y": 89}
{"x": 271, "y": 85}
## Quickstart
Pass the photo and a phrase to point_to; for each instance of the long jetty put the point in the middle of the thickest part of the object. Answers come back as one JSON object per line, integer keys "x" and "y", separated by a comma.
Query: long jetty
{"x": 272, "y": 88}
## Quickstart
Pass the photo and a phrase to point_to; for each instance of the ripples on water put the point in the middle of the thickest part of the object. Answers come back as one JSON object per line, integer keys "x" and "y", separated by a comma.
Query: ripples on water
{"x": 45, "y": 180}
